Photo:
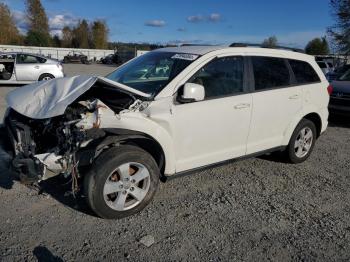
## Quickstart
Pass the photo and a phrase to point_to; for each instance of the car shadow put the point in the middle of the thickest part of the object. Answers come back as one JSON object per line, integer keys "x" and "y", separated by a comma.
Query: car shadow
{"x": 42, "y": 254}
{"x": 276, "y": 157}
{"x": 60, "y": 189}
{"x": 6, "y": 175}
{"x": 339, "y": 121}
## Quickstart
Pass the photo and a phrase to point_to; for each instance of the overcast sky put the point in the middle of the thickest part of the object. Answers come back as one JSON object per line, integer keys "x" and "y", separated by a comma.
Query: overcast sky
{"x": 294, "y": 22}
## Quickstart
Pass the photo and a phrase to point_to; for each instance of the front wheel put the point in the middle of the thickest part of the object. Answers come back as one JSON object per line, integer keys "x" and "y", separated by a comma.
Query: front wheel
{"x": 122, "y": 182}
{"x": 302, "y": 142}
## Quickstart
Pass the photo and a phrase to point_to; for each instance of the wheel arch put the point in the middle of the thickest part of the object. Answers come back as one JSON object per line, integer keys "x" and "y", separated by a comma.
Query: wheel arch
{"x": 117, "y": 137}
{"x": 312, "y": 116}
{"x": 316, "y": 119}
{"x": 42, "y": 75}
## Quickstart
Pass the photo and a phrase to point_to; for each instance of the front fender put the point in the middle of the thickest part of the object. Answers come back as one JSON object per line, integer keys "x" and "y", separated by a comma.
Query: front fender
{"x": 158, "y": 130}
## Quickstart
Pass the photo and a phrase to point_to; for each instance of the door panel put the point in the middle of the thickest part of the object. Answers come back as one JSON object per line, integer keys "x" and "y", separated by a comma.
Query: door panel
{"x": 217, "y": 128}
{"x": 27, "y": 68}
{"x": 273, "y": 111}
{"x": 275, "y": 102}
{"x": 27, "y": 72}
{"x": 211, "y": 131}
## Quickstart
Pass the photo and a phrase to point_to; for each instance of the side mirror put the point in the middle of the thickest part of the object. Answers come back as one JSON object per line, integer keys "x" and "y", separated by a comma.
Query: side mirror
{"x": 192, "y": 93}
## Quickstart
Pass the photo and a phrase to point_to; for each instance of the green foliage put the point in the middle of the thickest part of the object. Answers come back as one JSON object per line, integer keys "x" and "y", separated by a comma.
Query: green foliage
{"x": 317, "y": 46}
{"x": 99, "y": 31}
{"x": 56, "y": 41}
{"x": 35, "y": 38}
{"x": 270, "y": 42}
{"x": 81, "y": 35}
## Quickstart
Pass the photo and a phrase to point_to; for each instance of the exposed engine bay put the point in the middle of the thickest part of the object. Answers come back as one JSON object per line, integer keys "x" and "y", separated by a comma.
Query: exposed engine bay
{"x": 64, "y": 144}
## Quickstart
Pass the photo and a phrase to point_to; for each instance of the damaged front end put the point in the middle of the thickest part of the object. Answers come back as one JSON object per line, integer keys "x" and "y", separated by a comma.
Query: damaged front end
{"x": 64, "y": 144}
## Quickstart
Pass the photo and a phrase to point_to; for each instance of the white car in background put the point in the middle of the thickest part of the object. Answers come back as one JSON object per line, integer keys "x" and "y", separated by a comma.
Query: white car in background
{"x": 192, "y": 107}
{"x": 23, "y": 68}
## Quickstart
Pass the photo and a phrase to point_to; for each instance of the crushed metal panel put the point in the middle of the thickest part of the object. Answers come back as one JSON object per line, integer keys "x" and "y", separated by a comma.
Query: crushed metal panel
{"x": 48, "y": 99}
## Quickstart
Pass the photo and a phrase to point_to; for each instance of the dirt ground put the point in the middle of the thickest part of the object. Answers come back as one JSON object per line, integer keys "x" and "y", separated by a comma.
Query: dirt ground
{"x": 259, "y": 209}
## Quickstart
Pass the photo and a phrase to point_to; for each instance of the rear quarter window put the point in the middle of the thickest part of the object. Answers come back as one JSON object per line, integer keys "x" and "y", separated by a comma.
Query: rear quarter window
{"x": 270, "y": 72}
{"x": 304, "y": 73}
{"x": 322, "y": 65}
{"x": 41, "y": 60}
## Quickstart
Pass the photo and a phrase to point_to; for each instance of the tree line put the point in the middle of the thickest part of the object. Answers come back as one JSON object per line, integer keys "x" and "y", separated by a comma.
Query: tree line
{"x": 317, "y": 46}
{"x": 95, "y": 34}
{"x": 82, "y": 35}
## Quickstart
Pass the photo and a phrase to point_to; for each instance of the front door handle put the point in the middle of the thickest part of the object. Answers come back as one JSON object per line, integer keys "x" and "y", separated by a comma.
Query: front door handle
{"x": 242, "y": 106}
{"x": 294, "y": 97}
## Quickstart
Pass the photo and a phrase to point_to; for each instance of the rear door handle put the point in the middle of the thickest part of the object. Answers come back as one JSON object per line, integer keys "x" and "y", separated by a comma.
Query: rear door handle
{"x": 294, "y": 97}
{"x": 36, "y": 67}
{"x": 241, "y": 106}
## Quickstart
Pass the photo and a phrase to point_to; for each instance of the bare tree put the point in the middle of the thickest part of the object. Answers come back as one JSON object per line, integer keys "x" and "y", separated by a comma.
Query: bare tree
{"x": 67, "y": 37}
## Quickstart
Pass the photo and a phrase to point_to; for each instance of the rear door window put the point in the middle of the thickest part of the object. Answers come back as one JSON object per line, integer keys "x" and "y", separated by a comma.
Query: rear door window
{"x": 303, "y": 72}
{"x": 270, "y": 72}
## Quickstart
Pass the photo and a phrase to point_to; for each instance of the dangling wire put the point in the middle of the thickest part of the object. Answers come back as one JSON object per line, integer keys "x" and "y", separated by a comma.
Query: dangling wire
{"x": 75, "y": 186}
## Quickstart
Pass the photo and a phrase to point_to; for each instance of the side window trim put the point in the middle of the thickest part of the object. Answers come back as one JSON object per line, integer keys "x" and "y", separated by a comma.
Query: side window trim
{"x": 293, "y": 81}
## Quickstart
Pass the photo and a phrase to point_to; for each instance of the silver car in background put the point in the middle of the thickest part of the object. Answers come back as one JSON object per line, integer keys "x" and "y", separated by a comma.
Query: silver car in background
{"x": 23, "y": 68}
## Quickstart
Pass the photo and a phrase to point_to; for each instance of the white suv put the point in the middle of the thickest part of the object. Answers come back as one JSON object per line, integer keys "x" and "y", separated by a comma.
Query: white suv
{"x": 168, "y": 112}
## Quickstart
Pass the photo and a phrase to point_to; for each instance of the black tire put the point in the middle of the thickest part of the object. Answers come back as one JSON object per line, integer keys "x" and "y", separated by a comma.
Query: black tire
{"x": 43, "y": 76}
{"x": 291, "y": 151}
{"x": 104, "y": 166}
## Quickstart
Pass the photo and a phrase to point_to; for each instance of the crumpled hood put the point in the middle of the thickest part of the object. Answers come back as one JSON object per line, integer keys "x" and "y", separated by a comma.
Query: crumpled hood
{"x": 48, "y": 99}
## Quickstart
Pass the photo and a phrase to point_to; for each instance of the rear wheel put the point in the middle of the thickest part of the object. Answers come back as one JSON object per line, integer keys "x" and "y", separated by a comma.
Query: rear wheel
{"x": 122, "y": 182}
{"x": 46, "y": 77}
{"x": 302, "y": 142}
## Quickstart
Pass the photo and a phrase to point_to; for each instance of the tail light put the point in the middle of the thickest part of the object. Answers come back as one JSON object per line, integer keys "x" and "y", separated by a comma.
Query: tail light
{"x": 330, "y": 89}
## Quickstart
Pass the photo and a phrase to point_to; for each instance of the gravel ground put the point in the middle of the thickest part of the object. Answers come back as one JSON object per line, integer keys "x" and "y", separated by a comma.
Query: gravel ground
{"x": 254, "y": 210}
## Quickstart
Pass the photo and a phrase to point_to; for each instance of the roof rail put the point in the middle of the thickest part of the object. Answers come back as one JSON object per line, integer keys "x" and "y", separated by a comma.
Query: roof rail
{"x": 195, "y": 45}
{"x": 262, "y": 46}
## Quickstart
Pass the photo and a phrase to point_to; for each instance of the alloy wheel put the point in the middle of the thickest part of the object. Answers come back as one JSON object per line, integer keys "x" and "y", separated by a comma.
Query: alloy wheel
{"x": 126, "y": 186}
{"x": 303, "y": 142}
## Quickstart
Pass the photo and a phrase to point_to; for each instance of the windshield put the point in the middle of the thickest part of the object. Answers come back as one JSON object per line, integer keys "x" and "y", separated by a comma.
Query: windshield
{"x": 345, "y": 77}
{"x": 151, "y": 72}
